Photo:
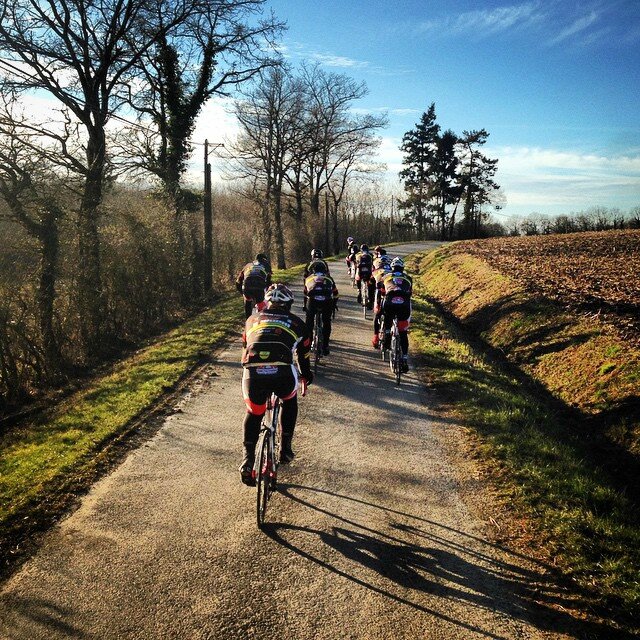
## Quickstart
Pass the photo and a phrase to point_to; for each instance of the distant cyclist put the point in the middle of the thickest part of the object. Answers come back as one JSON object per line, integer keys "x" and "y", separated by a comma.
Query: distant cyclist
{"x": 252, "y": 281}
{"x": 364, "y": 269}
{"x": 271, "y": 339}
{"x": 317, "y": 257}
{"x": 379, "y": 251}
{"x": 322, "y": 294}
{"x": 397, "y": 288}
{"x": 381, "y": 267}
{"x": 354, "y": 249}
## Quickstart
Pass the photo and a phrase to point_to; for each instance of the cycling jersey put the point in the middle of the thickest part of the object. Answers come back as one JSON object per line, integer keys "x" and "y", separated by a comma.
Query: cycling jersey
{"x": 364, "y": 264}
{"x": 308, "y": 270}
{"x": 320, "y": 288}
{"x": 270, "y": 341}
{"x": 397, "y": 287}
{"x": 252, "y": 280}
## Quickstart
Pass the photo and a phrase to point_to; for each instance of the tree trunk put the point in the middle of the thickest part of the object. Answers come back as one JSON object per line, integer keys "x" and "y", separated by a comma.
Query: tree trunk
{"x": 90, "y": 300}
{"x": 47, "y": 290}
{"x": 279, "y": 235}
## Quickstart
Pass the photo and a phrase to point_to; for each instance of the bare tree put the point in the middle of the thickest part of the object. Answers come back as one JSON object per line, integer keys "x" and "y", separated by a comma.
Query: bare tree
{"x": 30, "y": 191}
{"x": 80, "y": 54}
{"x": 270, "y": 120}
{"x": 221, "y": 45}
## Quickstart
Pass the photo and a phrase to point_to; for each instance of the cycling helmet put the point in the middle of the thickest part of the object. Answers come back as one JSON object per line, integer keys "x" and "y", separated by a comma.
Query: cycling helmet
{"x": 397, "y": 264}
{"x": 261, "y": 257}
{"x": 317, "y": 253}
{"x": 364, "y": 247}
{"x": 318, "y": 267}
{"x": 350, "y": 240}
{"x": 279, "y": 294}
{"x": 380, "y": 251}
{"x": 355, "y": 247}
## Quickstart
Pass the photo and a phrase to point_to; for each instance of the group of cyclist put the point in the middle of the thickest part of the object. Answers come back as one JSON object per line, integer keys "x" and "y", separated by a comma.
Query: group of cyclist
{"x": 274, "y": 336}
{"x": 389, "y": 292}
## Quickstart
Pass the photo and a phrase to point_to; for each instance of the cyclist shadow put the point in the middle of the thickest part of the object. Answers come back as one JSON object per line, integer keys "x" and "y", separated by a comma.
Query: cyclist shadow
{"x": 410, "y": 560}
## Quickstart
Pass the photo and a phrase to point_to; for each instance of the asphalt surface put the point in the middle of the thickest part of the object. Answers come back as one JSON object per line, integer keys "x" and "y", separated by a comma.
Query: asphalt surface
{"x": 369, "y": 536}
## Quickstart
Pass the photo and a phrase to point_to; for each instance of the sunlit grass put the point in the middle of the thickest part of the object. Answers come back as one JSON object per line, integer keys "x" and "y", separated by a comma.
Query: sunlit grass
{"x": 544, "y": 463}
{"x": 35, "y": 455}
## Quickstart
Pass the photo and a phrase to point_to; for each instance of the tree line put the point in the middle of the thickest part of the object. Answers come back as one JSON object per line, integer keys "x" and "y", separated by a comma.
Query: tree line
{"x": 447, "y": 180}
{"x": 102, "y": 236}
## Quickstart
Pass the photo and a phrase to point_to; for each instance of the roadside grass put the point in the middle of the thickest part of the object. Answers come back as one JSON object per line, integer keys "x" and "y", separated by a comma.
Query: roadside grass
{"x": 540, "y": 458}
{"x": 39, "y": 455}
{"x": 44, "y": 462}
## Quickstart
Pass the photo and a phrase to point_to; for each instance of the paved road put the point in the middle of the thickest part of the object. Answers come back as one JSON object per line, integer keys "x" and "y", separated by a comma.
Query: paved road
{"x": 370, "y": 536}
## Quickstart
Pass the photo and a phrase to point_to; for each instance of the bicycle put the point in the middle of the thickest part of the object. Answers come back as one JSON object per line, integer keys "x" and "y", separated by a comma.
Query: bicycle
{"x": 364, "y": 295}
{"x": 265, "y": 468}
{"x": 317, "y": 344}
{"x": 395, "y": 353}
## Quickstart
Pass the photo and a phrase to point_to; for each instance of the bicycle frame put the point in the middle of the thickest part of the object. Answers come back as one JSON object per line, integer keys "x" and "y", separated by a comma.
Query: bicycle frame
{"x": 265, "y": 469}
{"x": 317, "y": 343}
{"x": 395, "y": 355}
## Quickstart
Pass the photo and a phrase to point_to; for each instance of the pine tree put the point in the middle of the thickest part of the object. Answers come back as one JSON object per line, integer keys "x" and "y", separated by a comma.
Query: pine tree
{"x": 419, "y": 146}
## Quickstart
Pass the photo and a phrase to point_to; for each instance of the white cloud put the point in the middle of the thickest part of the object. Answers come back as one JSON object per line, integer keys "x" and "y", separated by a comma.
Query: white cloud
{"x": 485, "y": 21}
{"x": 331, "y": 60}
{"x": 578, "y": 26}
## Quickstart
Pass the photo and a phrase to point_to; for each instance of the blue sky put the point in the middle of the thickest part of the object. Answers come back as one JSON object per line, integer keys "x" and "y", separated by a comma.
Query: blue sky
{"x": 556, "y": 85}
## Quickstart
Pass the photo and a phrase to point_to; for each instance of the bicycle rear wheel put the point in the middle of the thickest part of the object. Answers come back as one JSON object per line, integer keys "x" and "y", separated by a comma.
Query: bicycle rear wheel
{"x": 263, "y": 479}
{"x": 397, "y": 357}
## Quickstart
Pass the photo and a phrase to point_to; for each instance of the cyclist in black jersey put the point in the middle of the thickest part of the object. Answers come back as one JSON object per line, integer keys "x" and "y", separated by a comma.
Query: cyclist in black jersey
{"x": 271, "y": 340}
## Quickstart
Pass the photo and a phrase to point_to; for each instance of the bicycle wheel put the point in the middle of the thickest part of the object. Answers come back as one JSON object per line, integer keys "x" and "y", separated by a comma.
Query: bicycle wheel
{"x": 317, "y": 341}
{"x": 364, "y": 296}
{"x": 397, "y": 356}
{"x": 263, "y": 479}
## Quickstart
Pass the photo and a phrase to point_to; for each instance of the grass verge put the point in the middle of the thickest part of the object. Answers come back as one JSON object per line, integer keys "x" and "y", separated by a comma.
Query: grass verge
{"x": 546, "y": 467}
{"x": 41, "y": 461}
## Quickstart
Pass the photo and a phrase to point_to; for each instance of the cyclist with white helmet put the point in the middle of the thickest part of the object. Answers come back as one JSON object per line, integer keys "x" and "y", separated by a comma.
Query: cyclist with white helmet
{"x": 271, "y": 341}
{"x": 397, "y": 288}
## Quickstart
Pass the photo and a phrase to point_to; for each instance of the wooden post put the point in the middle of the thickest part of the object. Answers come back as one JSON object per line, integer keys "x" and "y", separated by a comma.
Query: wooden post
{"x": 207, "y": 278}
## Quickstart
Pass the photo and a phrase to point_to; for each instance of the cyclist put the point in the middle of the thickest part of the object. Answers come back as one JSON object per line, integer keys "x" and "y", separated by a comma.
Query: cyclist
{"x": 322, "y": 293}
{"x": 270, "y": 340}
{"x": 379, "y": 251}
{"x": 381, "y": 267}
{"x": 317, "y": 257}
{"x": 350, "y": 241}
{"x": 252, "y": 281}
{"x": 351, "y": 257}
{"x": 398, "y": 287}
{"x": 364, "y": 268}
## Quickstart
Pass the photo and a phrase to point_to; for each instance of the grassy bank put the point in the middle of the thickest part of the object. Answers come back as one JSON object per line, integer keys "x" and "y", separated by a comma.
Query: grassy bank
{"x": 46, "y": 461}
{"x": 547, "y": 467}
{"x": 42, "y": 460}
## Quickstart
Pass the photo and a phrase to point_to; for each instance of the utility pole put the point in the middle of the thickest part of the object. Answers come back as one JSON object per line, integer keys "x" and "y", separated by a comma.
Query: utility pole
{"x": 208, "y": 225}
{"x": 207, "y": 278}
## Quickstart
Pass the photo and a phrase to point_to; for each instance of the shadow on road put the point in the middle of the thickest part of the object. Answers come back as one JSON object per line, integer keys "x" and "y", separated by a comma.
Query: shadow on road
{"x": 444, "y": 562}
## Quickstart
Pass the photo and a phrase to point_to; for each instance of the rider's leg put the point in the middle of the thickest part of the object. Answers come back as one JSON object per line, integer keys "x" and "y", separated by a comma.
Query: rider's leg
{"x": 389, "y": 313}
{"x": 289, "y": 414}
{"x": 255, "y": 397}
{"x": 311, "y": 315}
{"x": 327, "y": 312}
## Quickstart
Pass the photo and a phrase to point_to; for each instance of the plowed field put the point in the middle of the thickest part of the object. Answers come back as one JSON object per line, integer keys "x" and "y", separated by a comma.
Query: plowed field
{"x": 597, "y": 273}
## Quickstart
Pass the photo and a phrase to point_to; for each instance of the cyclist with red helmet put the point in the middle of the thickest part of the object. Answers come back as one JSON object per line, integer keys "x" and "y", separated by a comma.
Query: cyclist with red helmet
{"x": 252, "y": 281}
{"x": 271, "y": 340}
